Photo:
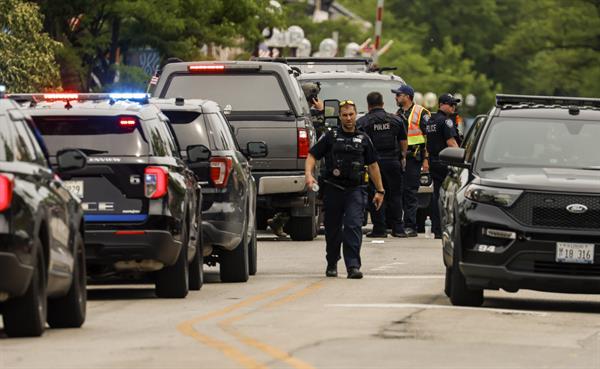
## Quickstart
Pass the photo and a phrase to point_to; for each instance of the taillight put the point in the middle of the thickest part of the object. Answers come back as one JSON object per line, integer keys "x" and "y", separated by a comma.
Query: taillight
{"x": 6, "y": 192}
{"x": 220, "y": 168}
{"x": 155, "y": 182}
{"x": 206, "y": 68}
{"x": 126, "y": 122}
{"x": 303, "y": 143}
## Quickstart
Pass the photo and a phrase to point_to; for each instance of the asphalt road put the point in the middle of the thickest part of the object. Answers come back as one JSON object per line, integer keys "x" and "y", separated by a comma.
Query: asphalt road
{"x": 291, "y": 316}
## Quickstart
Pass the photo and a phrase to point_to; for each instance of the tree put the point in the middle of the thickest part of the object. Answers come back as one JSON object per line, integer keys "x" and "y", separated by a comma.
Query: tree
{"x": 27, "y": 55}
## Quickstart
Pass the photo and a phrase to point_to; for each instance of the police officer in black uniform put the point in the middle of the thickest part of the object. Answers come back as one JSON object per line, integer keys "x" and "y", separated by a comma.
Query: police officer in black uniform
{"x": 346, "y": 152}
{"x": 389, "y": 138}
{"x": 441, "y": 133}
{"x": 415, "y": 118}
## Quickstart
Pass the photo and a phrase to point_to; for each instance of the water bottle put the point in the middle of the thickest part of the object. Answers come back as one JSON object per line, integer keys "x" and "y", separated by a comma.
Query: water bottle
{"x": 428, "y": 228}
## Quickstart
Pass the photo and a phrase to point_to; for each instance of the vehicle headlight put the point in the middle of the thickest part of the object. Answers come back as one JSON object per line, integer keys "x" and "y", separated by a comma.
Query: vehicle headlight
{"x": 491, "y": 195}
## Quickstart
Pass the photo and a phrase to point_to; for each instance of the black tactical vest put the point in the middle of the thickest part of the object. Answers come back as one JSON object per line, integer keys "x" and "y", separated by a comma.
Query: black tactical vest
{"x": 384, "y": 134}
{"x": 346, "y": 161}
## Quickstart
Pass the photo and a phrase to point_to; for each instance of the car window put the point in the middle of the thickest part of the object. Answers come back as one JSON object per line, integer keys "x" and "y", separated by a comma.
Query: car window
{"x": 159, "y": 137}
{"x": 189, "y": 127}
{"x": 25, "y": 150}
{"x": 470, "y": 142}
{"x": 221, "y": 133}
{"x": 97, "y": 135}
{"x": 255, "y": 92}
{"x": 6, "y": 145}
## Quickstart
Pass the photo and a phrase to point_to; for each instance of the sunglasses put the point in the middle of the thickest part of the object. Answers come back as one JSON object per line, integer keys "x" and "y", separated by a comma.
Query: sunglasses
{"x": 347, "y": 102}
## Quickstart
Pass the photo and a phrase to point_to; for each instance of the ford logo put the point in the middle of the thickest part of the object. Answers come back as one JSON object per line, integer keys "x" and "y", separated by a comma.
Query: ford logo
{"x": 577, "y": 208}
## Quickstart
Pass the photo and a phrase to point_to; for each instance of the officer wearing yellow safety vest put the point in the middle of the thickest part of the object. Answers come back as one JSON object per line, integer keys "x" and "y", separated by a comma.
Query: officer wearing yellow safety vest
{"x": 415, "y": 118}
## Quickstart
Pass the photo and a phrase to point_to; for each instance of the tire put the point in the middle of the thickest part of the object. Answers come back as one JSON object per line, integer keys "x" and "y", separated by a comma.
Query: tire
{"x": 196, "y": 278}
{"x": 460, "y": 294}
{"x": 302, "y": 228}
{"x": 252, "y": 254}
{"x": 25, "y": 316}
{"x": 234, "y": 264}
{"x": 172, "y": 282}
{"x": 69, "y": 311}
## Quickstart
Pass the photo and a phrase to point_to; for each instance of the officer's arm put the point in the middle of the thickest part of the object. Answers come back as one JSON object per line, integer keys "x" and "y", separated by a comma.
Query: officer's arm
{"x": 309, "y": 167}
{"x": 404, "y": 147}
{"x": 375, "y": 176}
{"x": 451, "y": 142}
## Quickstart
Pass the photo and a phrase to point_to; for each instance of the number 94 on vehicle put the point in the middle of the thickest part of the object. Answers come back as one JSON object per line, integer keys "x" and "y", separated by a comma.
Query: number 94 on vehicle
{"x": 579, "y": 253}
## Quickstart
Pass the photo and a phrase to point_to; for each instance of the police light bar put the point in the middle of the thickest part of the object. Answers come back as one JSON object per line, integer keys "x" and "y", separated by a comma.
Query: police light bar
{"x": 503, "y": 100}
{"x": 73, "y": 96}
{"x": 128, "y": 96}
{"x": 221, "y": 68}
{"x": 60, "y": 96}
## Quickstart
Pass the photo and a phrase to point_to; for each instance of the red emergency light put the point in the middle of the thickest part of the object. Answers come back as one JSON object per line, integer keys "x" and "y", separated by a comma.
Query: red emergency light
{"x": 206, "y": 68}
{"x": 61, "y": 96}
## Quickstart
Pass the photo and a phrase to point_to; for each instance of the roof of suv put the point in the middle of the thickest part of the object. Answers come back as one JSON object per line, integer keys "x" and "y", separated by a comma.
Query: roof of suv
{"x": 95, "y": 108}
{"x": 203, "y": 106}
{"x": 350, "y": 75}
{"x": 547, "y": 107}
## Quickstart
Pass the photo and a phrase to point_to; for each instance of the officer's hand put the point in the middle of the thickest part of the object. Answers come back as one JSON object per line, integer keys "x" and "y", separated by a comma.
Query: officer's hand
{"x": 425, "y": 168}
{"x": 318, "y": 104}
{"x": 310, "y": 180}
{"x": 403, "y": 162}
{"x": 378, "y": 200}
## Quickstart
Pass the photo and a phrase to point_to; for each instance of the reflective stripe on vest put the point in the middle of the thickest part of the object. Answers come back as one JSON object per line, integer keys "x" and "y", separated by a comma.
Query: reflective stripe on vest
{"x": 415, "y": 135}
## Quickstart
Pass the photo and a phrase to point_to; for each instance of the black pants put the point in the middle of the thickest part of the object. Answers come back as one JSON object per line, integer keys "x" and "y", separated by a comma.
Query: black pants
{"x": 410, "y": 199}
{"x": 390, "y": 212}
{"x": 438, "y": 174}
{"x": 344, "y": 211}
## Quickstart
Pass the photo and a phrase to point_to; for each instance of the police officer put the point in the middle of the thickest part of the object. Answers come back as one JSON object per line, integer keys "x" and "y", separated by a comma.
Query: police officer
{"x": 415, "y": 117}
{"x": 346, "y": 152}
{"x": 389, "y": 138}
{"x": 441, "y": 133}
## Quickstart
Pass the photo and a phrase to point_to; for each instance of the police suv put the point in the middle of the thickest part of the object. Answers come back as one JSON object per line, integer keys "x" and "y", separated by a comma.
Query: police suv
{"x": 140, "y": 201}
{"x": 521, "y": 205}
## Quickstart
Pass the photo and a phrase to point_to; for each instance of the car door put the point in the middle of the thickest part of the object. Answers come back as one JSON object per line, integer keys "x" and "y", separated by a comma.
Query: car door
{"x": 56, "y": 200}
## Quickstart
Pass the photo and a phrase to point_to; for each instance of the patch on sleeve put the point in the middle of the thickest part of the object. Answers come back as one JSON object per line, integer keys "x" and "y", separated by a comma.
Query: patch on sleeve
{"x": 449, "y": 123}
{"x": 425, "y": 118}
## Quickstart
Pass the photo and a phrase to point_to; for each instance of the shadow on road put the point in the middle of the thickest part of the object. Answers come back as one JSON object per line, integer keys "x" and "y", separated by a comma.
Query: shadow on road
{"x": 121, "y": 293}
{"x": 542, "y": 305}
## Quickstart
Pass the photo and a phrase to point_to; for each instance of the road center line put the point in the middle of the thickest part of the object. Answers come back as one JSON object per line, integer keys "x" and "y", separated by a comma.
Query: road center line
{"x": 430, "y": 306}
{"x": 187, "y": 328}
{"x": 274, "y": 352}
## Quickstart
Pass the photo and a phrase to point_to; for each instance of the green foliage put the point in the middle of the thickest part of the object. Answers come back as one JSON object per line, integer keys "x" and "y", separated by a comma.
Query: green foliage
{"x": 27, "y": 55}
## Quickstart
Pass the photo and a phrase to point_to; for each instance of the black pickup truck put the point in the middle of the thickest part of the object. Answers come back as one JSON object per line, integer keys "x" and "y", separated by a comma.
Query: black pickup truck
{"x": 264, "y": 102}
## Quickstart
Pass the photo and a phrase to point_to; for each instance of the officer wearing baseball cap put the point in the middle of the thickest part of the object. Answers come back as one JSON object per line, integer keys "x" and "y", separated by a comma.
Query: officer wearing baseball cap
{"x": 415, "y": 117}
{"x": 441, "y": 133}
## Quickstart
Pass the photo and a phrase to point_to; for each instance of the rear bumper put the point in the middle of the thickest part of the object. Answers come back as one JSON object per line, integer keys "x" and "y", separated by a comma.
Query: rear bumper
{"x": 14, "y": 275}
{"x": 280, "y": 182}
{"x": 107, "y": 247}
{"x": 494, "y": 277}
{"x": 214, "y": 234}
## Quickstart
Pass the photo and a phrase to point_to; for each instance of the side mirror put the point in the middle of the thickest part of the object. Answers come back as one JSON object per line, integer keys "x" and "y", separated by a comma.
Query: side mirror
{"x": 454, "y": 156}
{"x": 70, "y": 159}
{"x": 332, "y": 122}
{"x": 257, "y": 149}
{"x": 332, "y": 109}
{"x": 197, "y": 153}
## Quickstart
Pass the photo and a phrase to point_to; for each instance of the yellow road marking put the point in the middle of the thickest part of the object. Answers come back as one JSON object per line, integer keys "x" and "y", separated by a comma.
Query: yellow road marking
{"x": 187, "y": 328}
{"x": 274, "y": 352}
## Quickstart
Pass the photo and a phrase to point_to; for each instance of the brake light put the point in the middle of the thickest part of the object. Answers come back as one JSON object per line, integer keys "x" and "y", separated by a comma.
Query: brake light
{"x": 303, "y": 143}
{"x": 6, "y": 192}
{"x": 126, "y": 121}
{"x": 61, "y": 96}
{"x": 220, "y": 168}
{"x": 206, "y": 68}
{"x": 155, "y": 182}
{"x": 130, "y": 233}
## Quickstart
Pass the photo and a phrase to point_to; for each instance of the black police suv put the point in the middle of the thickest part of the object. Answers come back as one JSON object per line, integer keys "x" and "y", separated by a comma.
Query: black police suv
{"x": 266, "y": 104}
{"x": 228, "y": 188}
{"x": 521, "y": 205}
{"x": 42, "y": 255}
{"x": 141, "y": 202}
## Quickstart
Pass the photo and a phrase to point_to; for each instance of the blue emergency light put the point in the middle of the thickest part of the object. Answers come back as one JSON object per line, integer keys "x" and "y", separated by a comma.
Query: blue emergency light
{"x": 128, "y": 96}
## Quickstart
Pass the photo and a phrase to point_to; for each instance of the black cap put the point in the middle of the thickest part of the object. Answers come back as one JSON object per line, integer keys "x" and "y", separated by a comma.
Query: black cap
{"x": 449, "y": 99}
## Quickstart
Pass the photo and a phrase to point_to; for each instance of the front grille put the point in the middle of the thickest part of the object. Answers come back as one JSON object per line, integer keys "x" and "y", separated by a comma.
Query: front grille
{"x": 549, "y": 210}
{"x": 548, "y": 267}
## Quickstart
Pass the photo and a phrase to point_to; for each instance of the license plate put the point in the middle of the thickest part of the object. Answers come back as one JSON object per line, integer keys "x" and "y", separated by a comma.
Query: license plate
{"x": 75, "y": 187}
{"x": 579, "y": 253}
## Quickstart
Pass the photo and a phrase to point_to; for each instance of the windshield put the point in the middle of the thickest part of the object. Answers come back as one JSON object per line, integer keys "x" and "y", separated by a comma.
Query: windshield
{"x": 93, "y": 135}
{"x": 256, "y": 92}
{"x": 541, "y": 143}
{"x": 357, "y": 91}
